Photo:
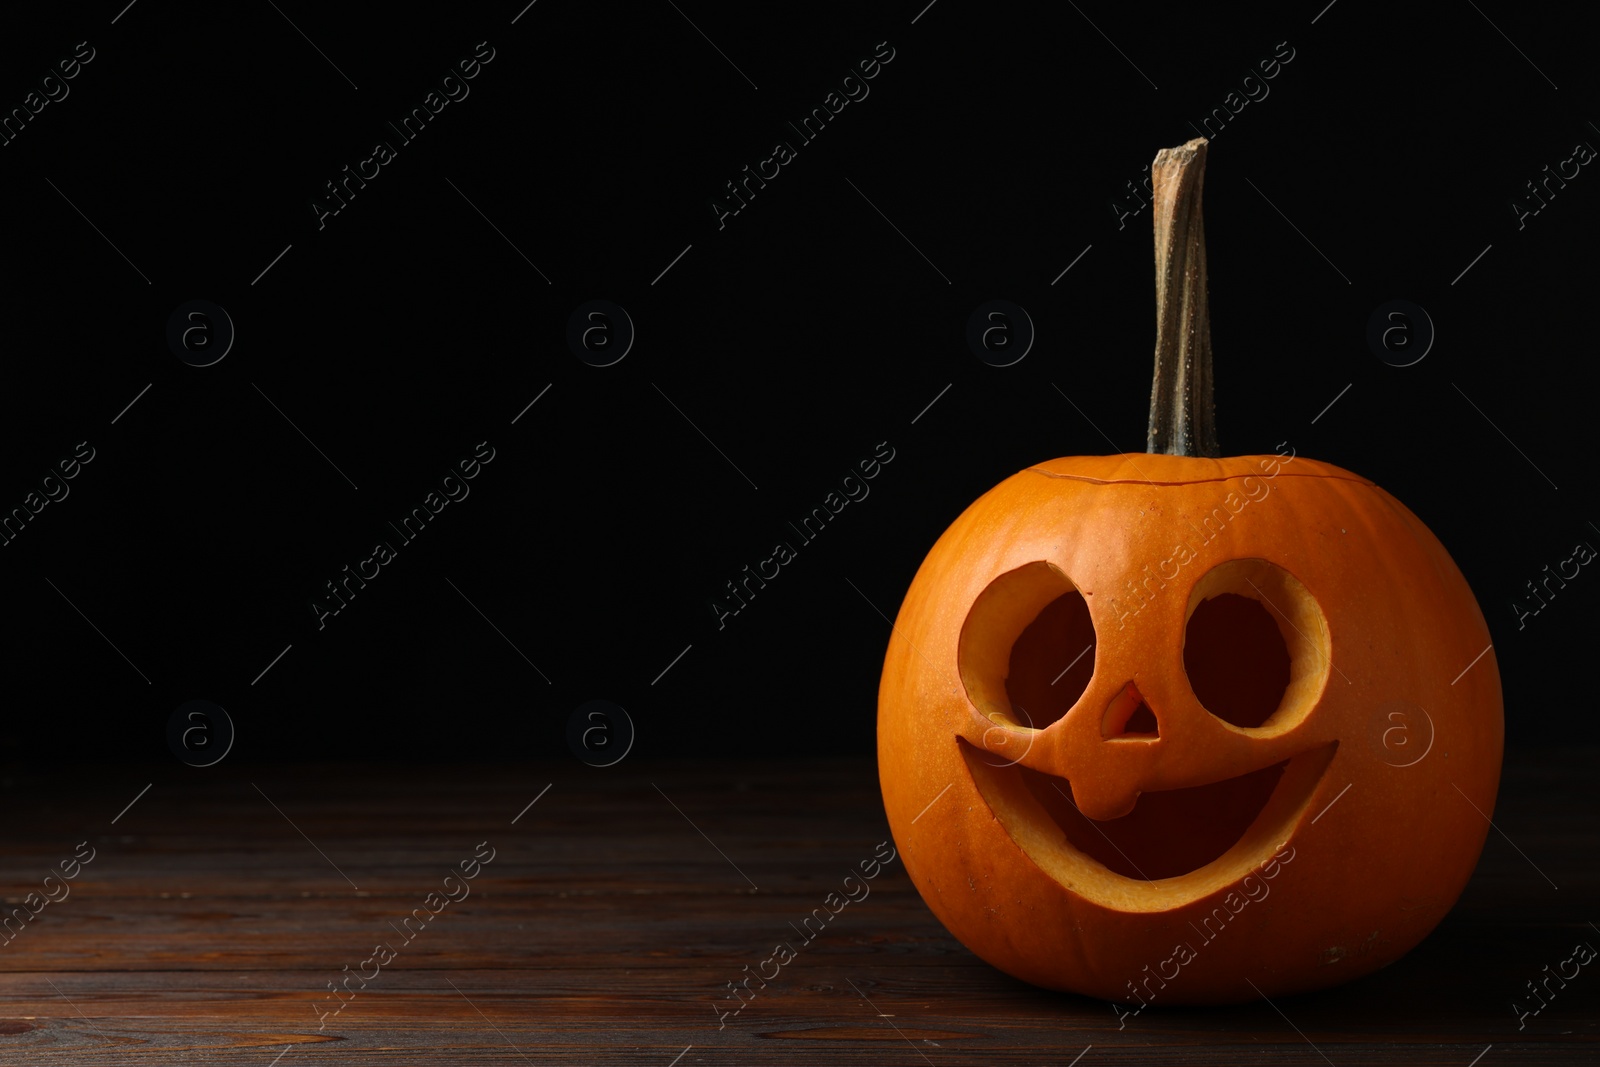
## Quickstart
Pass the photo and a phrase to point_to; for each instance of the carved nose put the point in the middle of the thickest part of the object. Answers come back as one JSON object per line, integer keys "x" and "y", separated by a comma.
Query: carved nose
{"x": 1108, "y": 789}
{"x": 1129, "y": 716}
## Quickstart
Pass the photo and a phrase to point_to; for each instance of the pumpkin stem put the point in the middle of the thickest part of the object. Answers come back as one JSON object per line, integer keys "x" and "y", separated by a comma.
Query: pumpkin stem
{"x": 1182, "y": 413}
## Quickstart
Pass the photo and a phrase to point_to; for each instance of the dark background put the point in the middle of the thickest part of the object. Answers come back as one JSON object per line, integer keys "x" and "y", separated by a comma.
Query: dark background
{"x": 796, "y": 339}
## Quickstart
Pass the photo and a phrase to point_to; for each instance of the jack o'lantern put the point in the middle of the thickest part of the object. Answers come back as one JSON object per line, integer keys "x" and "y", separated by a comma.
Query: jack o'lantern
{"x": 1141, "y": 719}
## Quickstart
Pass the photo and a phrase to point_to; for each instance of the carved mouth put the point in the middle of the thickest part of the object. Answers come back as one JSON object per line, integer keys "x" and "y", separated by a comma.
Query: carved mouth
{"x": 1175, "y": 845}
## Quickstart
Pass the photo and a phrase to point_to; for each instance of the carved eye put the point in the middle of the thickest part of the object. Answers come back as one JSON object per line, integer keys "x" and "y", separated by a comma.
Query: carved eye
{"x": 1255, "y": 647}
{"x": 1027, "y": 648}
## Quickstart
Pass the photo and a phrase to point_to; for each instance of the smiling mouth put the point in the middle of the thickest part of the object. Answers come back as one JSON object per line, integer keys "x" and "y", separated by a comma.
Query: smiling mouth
{"x": 1175, "y": 844}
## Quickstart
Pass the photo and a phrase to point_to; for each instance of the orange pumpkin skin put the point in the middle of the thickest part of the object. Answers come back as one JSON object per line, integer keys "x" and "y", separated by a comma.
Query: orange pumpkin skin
{"x": 1375, "y": 844}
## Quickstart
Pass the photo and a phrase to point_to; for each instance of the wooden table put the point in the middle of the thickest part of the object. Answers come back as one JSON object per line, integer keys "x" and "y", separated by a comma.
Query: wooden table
{"x": 221, "y": 904}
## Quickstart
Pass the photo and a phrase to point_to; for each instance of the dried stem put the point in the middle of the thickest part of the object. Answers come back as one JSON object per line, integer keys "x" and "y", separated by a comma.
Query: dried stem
{"x": 1182, "y": 413}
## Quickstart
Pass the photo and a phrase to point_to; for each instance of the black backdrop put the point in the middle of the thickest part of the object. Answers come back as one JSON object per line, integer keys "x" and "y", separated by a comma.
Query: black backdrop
{"x": 376, "y": 347}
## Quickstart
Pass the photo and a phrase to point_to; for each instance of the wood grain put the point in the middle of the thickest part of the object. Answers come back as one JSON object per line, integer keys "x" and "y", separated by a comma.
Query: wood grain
{"x": 606, "y": 927}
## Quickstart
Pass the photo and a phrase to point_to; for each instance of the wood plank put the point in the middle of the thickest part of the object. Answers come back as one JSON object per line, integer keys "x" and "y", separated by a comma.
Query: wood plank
{"x": 207, "y": 929}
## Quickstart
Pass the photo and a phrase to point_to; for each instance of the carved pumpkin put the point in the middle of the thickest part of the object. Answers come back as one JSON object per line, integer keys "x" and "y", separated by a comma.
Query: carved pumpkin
{"x": 1128, "y": 716}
